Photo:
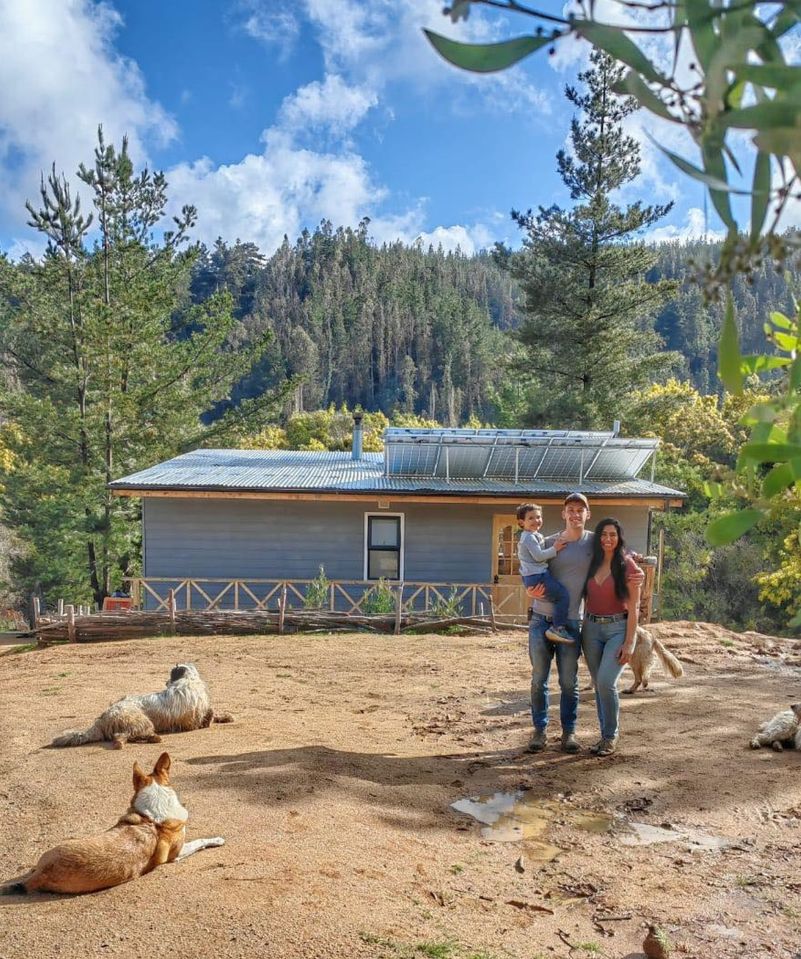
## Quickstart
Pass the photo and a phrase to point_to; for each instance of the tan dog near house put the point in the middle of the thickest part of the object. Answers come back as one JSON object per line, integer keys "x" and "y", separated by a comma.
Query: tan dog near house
{"x": 182, "y": 706}
{"x": 151, "y": 833}
{"x": 646, "y": 652}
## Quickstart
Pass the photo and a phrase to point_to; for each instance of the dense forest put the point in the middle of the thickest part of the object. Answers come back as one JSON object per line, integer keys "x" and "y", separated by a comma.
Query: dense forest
{"x": 398, "y": 327}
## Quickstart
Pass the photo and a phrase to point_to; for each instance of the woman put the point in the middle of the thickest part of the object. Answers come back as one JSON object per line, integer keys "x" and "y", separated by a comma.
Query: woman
{"x": 610, "y": 624}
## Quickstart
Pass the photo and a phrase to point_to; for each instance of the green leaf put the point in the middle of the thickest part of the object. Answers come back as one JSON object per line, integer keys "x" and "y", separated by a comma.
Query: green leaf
{"x": 614, "y": 41}
{"x": 769, "y": 115}
{"x": 776, "y": 76}
{"x": 726, "y": 529}
{"x": 777, "y": 480}
{"x": 485, "y": 57}
{"x": 686, "y": 167}
{"x": 781, "y": 477}
{"x": 788, "y": 18}
{"x": 785, "y": 341}
{"x": 771, "y": 452}
{"x": 700, "y": 18}
{"x": 760, "y": 195}
{"x": 795, "y": 374}
{"x": 762, "y": 364}
{"x": 760, "y": 413}
{"x": 729, "y": 359}
{"x": 780, "y": 320}
{"x": 634, "y": 85}
{"x": 715, "y": 166}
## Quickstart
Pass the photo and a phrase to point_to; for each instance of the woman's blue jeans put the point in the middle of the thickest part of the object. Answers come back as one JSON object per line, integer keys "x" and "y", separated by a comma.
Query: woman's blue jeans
{"x": 601, "y": 643}
{"x": 541, "y": 652}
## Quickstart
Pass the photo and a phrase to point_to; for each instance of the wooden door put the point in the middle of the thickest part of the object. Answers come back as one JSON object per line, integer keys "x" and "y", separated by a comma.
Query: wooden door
{"x": 508, "y": 593}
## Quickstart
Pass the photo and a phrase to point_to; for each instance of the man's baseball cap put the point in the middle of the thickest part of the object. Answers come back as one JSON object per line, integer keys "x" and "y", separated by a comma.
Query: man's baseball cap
{"x": 577, "y": 498}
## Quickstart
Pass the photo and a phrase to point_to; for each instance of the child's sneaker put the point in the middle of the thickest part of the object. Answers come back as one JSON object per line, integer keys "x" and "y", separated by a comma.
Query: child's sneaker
{"x": 558, "y": 634}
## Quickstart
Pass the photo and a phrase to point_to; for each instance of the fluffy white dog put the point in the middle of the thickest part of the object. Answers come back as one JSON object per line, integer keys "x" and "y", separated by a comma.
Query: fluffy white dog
{"x": 183, "y": 705}
{"x": 783, "y": 730}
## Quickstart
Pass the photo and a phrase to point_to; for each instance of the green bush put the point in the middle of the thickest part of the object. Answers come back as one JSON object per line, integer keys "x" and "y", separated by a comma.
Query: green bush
{"x": 379, "y": 600}
{"x": 318, "y": 592}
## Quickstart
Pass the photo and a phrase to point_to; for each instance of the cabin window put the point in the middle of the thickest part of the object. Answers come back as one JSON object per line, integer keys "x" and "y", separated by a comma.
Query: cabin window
{"x": 383, "y": 546}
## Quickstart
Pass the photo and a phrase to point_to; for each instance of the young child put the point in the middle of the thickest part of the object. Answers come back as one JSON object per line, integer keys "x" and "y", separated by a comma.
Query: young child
{"x": 534, "y": 558}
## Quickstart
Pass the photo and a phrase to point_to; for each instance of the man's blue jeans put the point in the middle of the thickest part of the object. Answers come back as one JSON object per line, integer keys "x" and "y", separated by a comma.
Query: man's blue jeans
{"x": 541, "y": 652}
{"x": 602, "y": 642}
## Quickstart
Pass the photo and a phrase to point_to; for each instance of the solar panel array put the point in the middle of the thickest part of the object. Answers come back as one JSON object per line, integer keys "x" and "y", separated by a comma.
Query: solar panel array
{"x": 519, "y": 456}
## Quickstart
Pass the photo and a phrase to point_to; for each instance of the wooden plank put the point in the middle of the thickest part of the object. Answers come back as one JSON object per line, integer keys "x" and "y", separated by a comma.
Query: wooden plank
{"x": 171, "y": 609}
{"x": 398, "y": 608}
{"x": 282, "y": 609}
{"x": 71, "y": 635}
{"x": 399, "y": 499}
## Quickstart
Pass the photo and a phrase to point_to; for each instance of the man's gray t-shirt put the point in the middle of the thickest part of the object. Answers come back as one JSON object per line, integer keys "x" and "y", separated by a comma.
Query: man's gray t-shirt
{"x": 570, "y": 568}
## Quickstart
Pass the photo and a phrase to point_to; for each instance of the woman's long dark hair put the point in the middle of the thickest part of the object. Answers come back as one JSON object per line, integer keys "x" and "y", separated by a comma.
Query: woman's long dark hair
{"x": 618, "y": 558}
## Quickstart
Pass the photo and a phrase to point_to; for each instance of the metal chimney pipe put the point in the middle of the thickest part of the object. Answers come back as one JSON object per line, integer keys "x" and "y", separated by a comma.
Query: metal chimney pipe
{"x": 616, "y": 428}
{"x": 356, "y": 446}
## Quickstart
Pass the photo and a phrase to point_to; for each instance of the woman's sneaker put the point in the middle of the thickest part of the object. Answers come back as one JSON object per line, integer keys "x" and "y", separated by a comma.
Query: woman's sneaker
{"x": 558, "y": 634}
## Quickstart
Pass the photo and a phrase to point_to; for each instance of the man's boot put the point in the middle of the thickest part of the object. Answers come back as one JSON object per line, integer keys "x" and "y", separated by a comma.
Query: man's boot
{"x": 569, "y": 743}
{"x": 538, "y": 741}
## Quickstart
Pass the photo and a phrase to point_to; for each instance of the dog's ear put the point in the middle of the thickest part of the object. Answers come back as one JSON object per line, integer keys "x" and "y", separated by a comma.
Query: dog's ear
{"x": 139, "y": 777}
{"x": 162, "y": 766}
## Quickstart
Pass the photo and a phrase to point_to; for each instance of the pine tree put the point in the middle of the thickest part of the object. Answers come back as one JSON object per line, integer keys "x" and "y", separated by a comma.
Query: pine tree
{"x": 112, "y": 369}
{"x": 587, "y": 337}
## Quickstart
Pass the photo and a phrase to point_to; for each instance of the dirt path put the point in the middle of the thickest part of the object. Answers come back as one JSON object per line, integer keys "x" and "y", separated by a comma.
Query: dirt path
{"x": 333, "y": 789}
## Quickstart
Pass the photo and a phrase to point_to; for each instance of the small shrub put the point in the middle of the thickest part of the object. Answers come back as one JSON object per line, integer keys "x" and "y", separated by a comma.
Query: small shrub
{"x": 318, "y": 592}
{"x": 449, "y": 607}
{"x": 379, "y": 600}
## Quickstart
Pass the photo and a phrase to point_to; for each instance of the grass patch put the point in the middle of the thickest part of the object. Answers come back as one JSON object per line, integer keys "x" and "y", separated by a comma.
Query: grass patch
{"x": 435, "y": 950}
{"x": 456, "y": 869}
{"x": 15, "y": 650}
{"x": 725, "y": 641}
{"x": 592, "y": 947}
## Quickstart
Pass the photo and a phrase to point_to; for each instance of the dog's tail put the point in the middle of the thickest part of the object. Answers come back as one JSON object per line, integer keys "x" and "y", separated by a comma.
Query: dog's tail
{"x": 73, "y": 737}
{"x": 669, "y": 661}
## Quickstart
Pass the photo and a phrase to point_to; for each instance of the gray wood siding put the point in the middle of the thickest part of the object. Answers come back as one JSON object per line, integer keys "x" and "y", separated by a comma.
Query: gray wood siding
{"x": 230, "y": 539}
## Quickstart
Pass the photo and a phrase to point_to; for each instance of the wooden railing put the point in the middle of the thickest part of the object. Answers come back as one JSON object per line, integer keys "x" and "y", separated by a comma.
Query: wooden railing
{"x": 349, "y": 596}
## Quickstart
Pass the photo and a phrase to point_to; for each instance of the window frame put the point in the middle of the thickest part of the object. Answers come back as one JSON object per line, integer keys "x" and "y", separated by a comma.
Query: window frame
{"x": 400, "y": 549}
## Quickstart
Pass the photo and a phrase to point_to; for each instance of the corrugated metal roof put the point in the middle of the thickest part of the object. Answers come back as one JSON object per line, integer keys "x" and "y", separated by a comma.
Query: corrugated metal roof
{"x": 304, "y": 471}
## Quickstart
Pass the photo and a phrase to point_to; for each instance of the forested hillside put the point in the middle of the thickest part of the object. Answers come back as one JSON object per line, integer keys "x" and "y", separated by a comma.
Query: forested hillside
{"x": 405, "y": 328}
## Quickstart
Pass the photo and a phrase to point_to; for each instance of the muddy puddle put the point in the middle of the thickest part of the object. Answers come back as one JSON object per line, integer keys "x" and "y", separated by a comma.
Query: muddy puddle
{"x": 516, "y": 817}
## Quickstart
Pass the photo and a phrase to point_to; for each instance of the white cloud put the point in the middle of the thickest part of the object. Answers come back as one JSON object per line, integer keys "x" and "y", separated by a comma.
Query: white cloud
{"x": 270, "y": 23}
{"x": 331, "y": 106}
{"x": 60, "y": 77}
{"x": 469, "y": 240}
{"x": 694, "y": 228}
{"x": 265, "y": 196}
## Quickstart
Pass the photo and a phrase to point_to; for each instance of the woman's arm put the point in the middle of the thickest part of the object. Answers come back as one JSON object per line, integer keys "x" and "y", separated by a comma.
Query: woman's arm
{"x": 633, "y": 609}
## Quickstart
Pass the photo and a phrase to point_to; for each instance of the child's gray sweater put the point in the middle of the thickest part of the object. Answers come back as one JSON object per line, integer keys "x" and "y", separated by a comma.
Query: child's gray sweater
{"x": 534, "y": 554}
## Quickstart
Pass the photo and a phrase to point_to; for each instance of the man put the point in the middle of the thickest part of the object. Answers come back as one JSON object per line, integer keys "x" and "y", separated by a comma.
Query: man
{"x": 570, "y": 568}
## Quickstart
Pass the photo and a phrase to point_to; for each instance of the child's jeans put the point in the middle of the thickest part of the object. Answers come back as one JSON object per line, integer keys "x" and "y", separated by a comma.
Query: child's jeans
{"x": 554, "y": 592}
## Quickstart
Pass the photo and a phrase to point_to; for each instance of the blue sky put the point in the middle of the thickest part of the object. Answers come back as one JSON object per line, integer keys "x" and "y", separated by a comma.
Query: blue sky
{"x": 269, "y": 116}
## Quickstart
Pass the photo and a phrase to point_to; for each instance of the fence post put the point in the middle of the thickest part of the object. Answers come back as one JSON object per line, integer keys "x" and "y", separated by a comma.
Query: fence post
{"x": 71, "y": 635}
{"x": 398, "y": 609}
{"x": 647, "y": 597}
{"x": 171, "y": 608}
{"x": 492, "y": 614}
{"x": 37, "y": 610}
{"x": 281, "y": 610}
{"x": 60, "y": 609}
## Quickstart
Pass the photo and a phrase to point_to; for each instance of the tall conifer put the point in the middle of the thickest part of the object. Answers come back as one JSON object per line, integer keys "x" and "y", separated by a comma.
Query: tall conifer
{"x": 587, "y": 334}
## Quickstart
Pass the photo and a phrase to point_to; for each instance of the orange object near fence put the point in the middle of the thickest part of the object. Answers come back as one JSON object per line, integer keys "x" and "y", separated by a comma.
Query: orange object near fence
{"x": 111, "y": 604}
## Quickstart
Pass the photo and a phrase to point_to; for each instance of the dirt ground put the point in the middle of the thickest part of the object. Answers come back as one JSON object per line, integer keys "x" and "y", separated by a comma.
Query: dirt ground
{"x": 334, "y": 786}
